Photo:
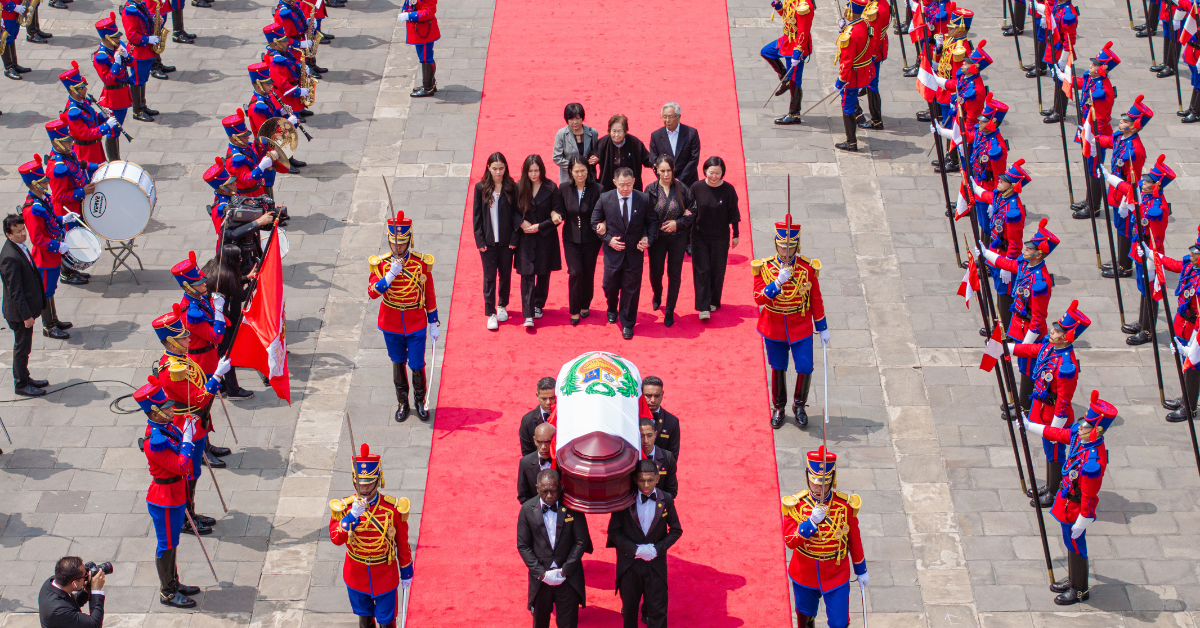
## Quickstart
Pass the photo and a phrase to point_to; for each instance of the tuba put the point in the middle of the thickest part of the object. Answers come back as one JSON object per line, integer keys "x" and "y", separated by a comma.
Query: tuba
{"x": 30, "y": 7}
{"x": 281, "y": 135}
{"x": 160, "y": 28}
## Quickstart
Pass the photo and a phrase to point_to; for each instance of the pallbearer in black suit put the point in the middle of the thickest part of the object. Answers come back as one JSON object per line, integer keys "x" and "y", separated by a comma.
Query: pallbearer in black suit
{"x": 534, "y": 463}
{"x": 552, "y": 540}
{"x": 642, "y": 534}
{"x": 666, "y": 423}
{"x": 628, "y": 225}
{"x": 538, "y": 415}
{"x": 667, "y": 481}
{"x": 680, "y": 141}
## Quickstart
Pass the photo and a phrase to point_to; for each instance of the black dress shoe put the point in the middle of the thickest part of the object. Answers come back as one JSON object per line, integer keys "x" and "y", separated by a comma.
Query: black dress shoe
{"x": 1166, "y": 72}
{"x": 158, "y": 74}
{"x": 627, "y": 333}
{"x": 12, "y": 74}
{"x": 1177, "y": 416}
{"x": 669, "y": 318}
{"x": 1140, "y": 338}
{"x": 923, "y": 116}
{"x": 326, "y": 37}
{"x": 55, "y": 333}
{"x": 1107, "y": 273}
{"x": 1080, "y": 205}
{"x": 402, "y": 412}
{"x": 983, "y": 332}
{"x": 201, "y": 529}
{"x": 241, "y": 393}
{"x": 183, "y": 38}
{"x": 911, "y": 72}
{"x": 574, "y": 321}
{"x": 293, "y": 170}
{"x": 166, "y": 68}
{"x": 74, "y": 280}
{"x": 175, "y": 598}
{"x": 1041, "y": 490}
{"x": 584, "y": 313}
{"x": 22, "y": 69}
{"x": 801, "y": 415}
{"x": 219, "y": 452}
{"x": 950, "y": 167}
{"x": 187, "y": 590}
{"x": 30, "y": 390}
{"x": 39, "y": 383}
{"x": 1061, "y": 585}
{"x": 777, "y": 418}
{"x": 1173, "y": 404}
{"x": 63, "y": 325}
{"x": 871, "y": 125}
{"x": 204, "y": 520}
{"x": 1182, "y": 114}
{"x": 612, "y": 317}
{"x": 847, "y": 146}
{"x": 422, "y": 411}
{"x": 318, "y": 69}
{"x": 1034, "y": 73}
{"x": 1027, "y": 68}
{"x": 203, "y": 4}
{"x": 143, "y": 116}
{"x": 1044, "y": 501}
{"x": 1070, "y": 596}
{"x": 214, "y": 461}
{"x": 1190, "y": 118}
{"x": 1131, "y": 328}
{"x": 305, "y": 113}
{"x": 1085, "y": 214}
{"x": 1146, "y": 33}
{"x": 36, "y": 38}
{"x": 296, "y": 162}
{"x": 1053, "y": 118}
{"x": 655, "y": 303}
{"x": 1158, "y": 67}
{"x": 1139, "y": 28}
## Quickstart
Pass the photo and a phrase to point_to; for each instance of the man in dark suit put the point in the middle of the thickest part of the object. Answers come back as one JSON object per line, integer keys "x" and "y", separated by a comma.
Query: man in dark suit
{"x": 642, "y": 534}
{"x": 680, "y": 141}
{"x": 62, "y": 597}
{"x": 24, "y": 299}
{"x": 538, "y": 415}
{"x": 534, "y": 463}
{"x": 667, "y": 481}
{"x": 552, "y": 540}
{"x": 666, "y": 423}
{"x": 628, "y": 225}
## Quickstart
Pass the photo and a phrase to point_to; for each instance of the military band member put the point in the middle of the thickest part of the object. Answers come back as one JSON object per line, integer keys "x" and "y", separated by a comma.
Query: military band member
{"x": 1055, "y": 374}
{"x": 70, "y": 178}
{"x": 86, "y": 124}
{"x": 224, "y": 186}
{"x": 1185, "y": 321}
{"x": 1128, "y": 158}
{"x": 286, "y": 70}
{"x": 1066, "y": 22}
{"x": 289, "y": 15}
{"x": 1076, "y": 500}
{"x": 264, "y": 106}
{"x": 820, "y": 526}
{"x": 46, "y": 230}
{"x": 1146, "y": 213}
{"x": 249, "y": 159}
{"x": 786, "y": 288}
{"x": 374, "y": 529}
{"x": 856, "y": 68}
{"x": 168, "y": 452}
{"x": 139, "y": 29}
{"x": 1096, "y": 98}
{"x": 421, "y": 30}
{"x": 788, "y": 54}
{"x": 109, "y": 60}
{"x": 1003, "y": 226}
{"x": 407, "y": 312}
{"x": 203, "y": 316}
{"x": 10, "y": 18}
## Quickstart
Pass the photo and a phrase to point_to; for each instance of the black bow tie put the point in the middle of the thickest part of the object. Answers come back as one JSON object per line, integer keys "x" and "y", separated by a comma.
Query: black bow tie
{"x": 542, "y": 461}
{"x": 646, "y": 498}
{"x": 546, "y": 508}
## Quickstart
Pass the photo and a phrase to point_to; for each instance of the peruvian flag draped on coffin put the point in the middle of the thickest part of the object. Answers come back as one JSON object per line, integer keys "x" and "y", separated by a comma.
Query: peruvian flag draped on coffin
{"x": 261, "y": 342}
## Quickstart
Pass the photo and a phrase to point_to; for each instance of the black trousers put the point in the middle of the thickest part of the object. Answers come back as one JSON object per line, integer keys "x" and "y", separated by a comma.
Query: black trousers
{"x": 562, "y": 599}
{"x": 1096, "y": 187}
{"x": 1024, "y": 391}
{"x": 22, "y": 345}
{"x": 1039, "y": 51}
{"x": 622, "y": 287}
{"x": 1153, "y": 7}
{"x": 667, "y": 251}
{"x": 581, "y": 268}
{"x": 497, "y": 262}
{"x": 1123, "y": 247}
{"x": 1191, "y": 377}
{"x": 640, "y": 583}
{"x": 1148, "y": 315}
{"x": 1004, "y": 304}
{"x": 534, "y": 290}
{"x": 1019, "y": 10}
{"x": 709, "y": 258}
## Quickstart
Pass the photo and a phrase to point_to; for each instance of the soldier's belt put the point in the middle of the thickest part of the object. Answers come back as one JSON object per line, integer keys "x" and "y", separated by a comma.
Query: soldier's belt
{"x": 199, "y": 351}
{"x": 1190, "y": 319}
{"x": 86, "y": 142}
{"x": 402, "y": 306}
{"x": 370, "y": 560}
{"x": 859, "y": 66}
{"x": 834, "y": 555}
{"x": 170, "y": 480}
{"x": 114, "y": 86}
{"x": 786, "y": 310}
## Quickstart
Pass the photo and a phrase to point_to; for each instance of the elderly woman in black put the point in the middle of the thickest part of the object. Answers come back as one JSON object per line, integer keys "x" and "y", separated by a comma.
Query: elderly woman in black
{"x": 676, "y": 208}
{"x": 618, "y": 150}
{"x": 575, "y": 139}
{"x": 716, "y": 214}
{"x": 541, "y": 211}
{"x": 581, "y": 245}
{"x": 496, "y": 224}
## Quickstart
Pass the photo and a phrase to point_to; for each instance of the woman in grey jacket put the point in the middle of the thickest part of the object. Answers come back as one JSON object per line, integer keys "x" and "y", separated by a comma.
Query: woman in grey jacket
{"x": 575, "y": 139}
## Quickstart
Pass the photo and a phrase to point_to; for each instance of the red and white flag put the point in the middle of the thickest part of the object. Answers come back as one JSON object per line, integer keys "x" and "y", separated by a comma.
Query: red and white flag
{"x": 1190, "y": 25}
{"x": 970, "y": 282}
{"x": 1191, "y": 353}
{"x": 261, "y": 342}
{"x": 917, "y": 31}
{"x": 927, "y": 85}
{"x": 995, "y": 349}
{"x": 1087, "y": 134}
{"x": 963, "y": 206}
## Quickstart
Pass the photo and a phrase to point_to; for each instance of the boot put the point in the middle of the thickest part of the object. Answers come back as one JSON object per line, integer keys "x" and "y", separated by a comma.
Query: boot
{"x": 12, "y": 55}
{"x": 875, "y": 106}
{"x": 952, "y": 163}
{"x": 1077, "y": 572}
{"x": 400, "y": 379}
{"x": 137, "y": 93}
{"x": 851, "y": 143}
{"x": 296, "y": 163}
{"x": 158, "y": 70}
{"x": 182, "y": 588}
{"x": 419, "y": 382}
{"x": 779, "y": 68}
{"x": 112, "y": 148}
{"x": 366, "y": 622}
{"x": 427, "y": 88}
{"x": 803, "y": 384}
{"x": 793, "y": 114}
{"x": 806, "y": 621}
{"x": 213, "y": 450}
{"x": 1195, "y": 108}
{"x": 146, "y": 104}
{"x": 50, "y": 328}
{"x": 778, "y": 397}
{"x": 9, "y": 64}
{"x": 201, "y": 521}
{"x": 168, "y": 590}
{"x": 1060, "y": 106}
{"x": 1191, "y": 378}
{"x": 314, "y": 68}
{"x": 1053, "y": 482}
{"x": 179, "y": 35}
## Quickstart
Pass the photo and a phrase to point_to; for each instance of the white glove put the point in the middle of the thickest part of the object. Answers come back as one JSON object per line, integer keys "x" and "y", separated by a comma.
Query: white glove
{"x": 817, "y": 516}
{"x": 1030, "y": 337}
{"x": 942, "y": 131}
{"x": 1041, "y": 8}
{"x": 785, "y": 274}
{"x": 1012, "y": 346}
{"x": 863, "y": 579}
{"x": 1182, "y": 347}
{"x": 646, "y": 552}
{"x": 392, "y": 273}
{"x": 941, "y": 82}
{"x": 219, "y": 307}
{"x": 304, "y": 45}
{"x": 293, "y": 119}
{"x": 223, "y": 367}
{"x": 435, "y": 330}
{"x": 1034, "y": 428}
{"x": 1081, "y": 525}
{"x": 990, "y": 256}
{"x": 265, "y": 162}
{"x": 824, "y": 337}
{"x": 19, "y": 10}
{"x": 406, "y": 583}
{"x": 978, "y": 191}
{"x": 70, "y": 217}
{"x": 554, "y": 577}
{"x": 1123, "y": 210}
{"x": 1005, "y": 276}
{"x": 303, "y": 91}
{"x": 153, "y": 39}
{"x": 841, "y": 23}
{"x": 359, "y": 507}
{"x": 189, "y": 429}
{"x": 978, "y": 247}
{"x": 112, "y": 122}
{"x": 402, "y": 18}
{"x": 1058, "y": 421}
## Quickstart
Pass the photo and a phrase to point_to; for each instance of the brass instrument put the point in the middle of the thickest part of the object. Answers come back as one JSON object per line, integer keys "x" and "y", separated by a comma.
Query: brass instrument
{"x": 3, "y": 40}
{"x": 308, "y": 81}
{"x": 281, "y": 135}
{"x": 161, "y": 29}
{"x": 30, "y": 7}
{"x": 311, "y": 34}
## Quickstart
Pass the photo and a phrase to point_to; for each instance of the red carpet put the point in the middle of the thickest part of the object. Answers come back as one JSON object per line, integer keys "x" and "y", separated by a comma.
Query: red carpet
{"x": 728, "y": 569}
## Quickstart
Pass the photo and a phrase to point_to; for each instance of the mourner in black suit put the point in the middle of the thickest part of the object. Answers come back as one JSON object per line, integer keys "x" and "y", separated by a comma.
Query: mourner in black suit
{"x": 667, "y": 423}
{"x": 619, "y": 150}
{"x": 673, "y": 204}
{"x": 534, "y": 463}
{"x": 540, "y": 206}
{"x": 680, "y": 141}
{"x": 668, "y": 482}
{"x": 538, "y": 415}
{"x": 497, "y": 226}
{"x": 630, "y": 227}
{"x": 24, "y": 299}
{"x": 642, "y": 534}
{"x": 581, "y": 245}
{"x": 552, "y": 540}
{"x": 61, "y": 600}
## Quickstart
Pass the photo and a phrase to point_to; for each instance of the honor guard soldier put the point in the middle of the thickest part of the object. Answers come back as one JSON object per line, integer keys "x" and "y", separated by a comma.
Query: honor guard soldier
{"x": 178, "y": 34}
{"x": 290, "y": 17}
{"x": 286, "y": 71}
{"x": 46, "y": 231}
{"x": 786, "y": 288}
{"x": 1128, "y": 158}
{"x": 86, "y": 125}
{"x": 1055, "y": 373}
{"x": 1185, "y": 321}
{"x": 10, "y": 17}
{"x": 968, "y": 97}
{"x": 1145, "y": 209}
{"x": 1004, "y": 226}
{"x": 788, "y": 54}
{"x": 1066, "y": 23}
{"x": 856, "y": 67}
{"x": 248, "y": 160}
{"x": 374, "y": 529}
{"x": 1191, "y": 56}
{"x": 263, "y": 105}
{"x": 408, "y": 309}
{"x": 168, "y": 452}
{"x": 224, "y": 187}
{"x": 109, "y": 61}
{"x": 956, "y": 49}
{"x": 878, "y": 15}
{"x": 989, "y": 151}
{"x": 1095, "y": 92}
{"x": 1076, "y": 500}
{"x": 139, "y": 28}
{"x": 421, "y": 30}
{"x": 820, "y": 526}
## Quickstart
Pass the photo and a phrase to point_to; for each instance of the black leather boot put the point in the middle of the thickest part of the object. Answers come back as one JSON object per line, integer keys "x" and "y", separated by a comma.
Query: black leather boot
{"x": 50, "y": 328}
{"x": 1077, "y": 572}
{"x": 1053, "y": 482}
{"x": 428, "y": 86}
{"x": 1191, "y": 378}
{"x": 875, "y": 106}
{"x": 793, "y": 114}
{"x": 366, "y": 622}
{"x": 219, "y": 452}
{"x": 400, "y": 379}
{"x": 778, "y": 397}
{"x": 419, "y": 389}
{"x": 202, "y": 522}
{"x": 137, "y": 93}
{"x": 182, "y": 588}
{"x": 851, "y": 143}
{"x": 179, "y": 35}
{"x": 777, "y": 65}
{"x": 803, "y": 384}
{"x": 168, "y": 589}
{"x": 112, "y": 148}
{"x": 1194, "y": 109}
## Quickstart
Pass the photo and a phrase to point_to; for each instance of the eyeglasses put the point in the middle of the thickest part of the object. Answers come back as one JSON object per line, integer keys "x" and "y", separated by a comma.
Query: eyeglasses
{"x": 669, "y": 116}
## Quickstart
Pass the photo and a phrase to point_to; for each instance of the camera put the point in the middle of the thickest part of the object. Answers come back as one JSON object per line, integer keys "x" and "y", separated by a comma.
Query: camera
{"x": 93, "y": 568}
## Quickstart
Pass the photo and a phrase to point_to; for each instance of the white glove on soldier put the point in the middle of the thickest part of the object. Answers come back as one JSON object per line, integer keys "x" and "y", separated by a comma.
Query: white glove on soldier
{"x": 303, "y": 91}
{"x": 219, "y": 307}
{"x": 19, "y": 10}
{"x": 223, "y": 367}
{"x": 1034, "y": 428}
{"x": 405, "y": 583}
{"x": 785, "y": 274}
{"x": 824, "y": 337}
{"x": 70, "y": 217}
{"x": 189, "y": 429}
{"x": 863, "y": 579}
{"x": 978, "y": 191}
{"x": 1080, "y": 526}
{"x": 304, "y": 45}
{"x": 435, "y": 330}
{"x": 153, "y": 39}
{"x": 817, "y": 516}
{"x": 265, "y": 163}
{"x": 1005, "y": 276}
{"x": 293, "y": 119}
{"x": 359, "y": 507}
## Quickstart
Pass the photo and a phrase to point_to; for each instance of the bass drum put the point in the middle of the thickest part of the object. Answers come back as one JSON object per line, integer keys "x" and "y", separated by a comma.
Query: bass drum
{"x": 283, "y": 243}
{"x": 124, "y": 199}
{"x": 83, "y": 249}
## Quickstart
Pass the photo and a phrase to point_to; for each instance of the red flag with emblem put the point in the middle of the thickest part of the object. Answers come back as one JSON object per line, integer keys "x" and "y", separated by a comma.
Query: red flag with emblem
{"x": 261, "y": 341}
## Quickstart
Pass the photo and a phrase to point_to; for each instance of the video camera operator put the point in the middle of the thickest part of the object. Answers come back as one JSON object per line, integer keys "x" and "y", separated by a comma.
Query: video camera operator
{"x": 243, "y": 227}
{"x": 74, "y": 584}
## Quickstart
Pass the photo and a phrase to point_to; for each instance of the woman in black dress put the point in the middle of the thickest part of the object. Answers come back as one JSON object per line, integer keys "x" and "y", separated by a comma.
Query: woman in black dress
{"x": 716, "y": 213}
{"x": 676, "y": 209}
{"x": 496, "y": 224}
{"x": 581, "y": 245}
{"x": 541, "y": 211}
{"x": 619, "y": 149}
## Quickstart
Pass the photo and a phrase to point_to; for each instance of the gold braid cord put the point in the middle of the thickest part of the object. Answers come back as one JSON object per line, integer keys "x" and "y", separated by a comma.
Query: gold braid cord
{"x": 407, "y": 292}
{"x": 793, "y": 296}
{"x": 366, "y": 550}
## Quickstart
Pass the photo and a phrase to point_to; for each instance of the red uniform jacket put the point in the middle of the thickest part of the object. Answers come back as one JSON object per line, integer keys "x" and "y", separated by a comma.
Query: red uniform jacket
{"x": 291, "y": 17}
{"x": 183, "y": 382}
{"x": 45, "y": 232}
{"x": 791, "y": 314}
{"x": 139, "y": 25}
{"x": 372, "y": 563}
{"x": 1055, "y": 373}
{"x": 1008, "y": 223}
{"x": 202, "y": 344}
{"x": 162, "y": 448}
{"x": 410, "y": 303}
{"x": 115, "y": 77}
{"x": 882, "y": 12}
{"x": 1086, "y": 486}
{"x": 1185, "y": 292}
{"x": 822, "y": 554}
{"x": 855, "y": 47}
{"x": 84, "y": 123}
{"x": 285, "y": 73}
{"x": 1128, "y": 158}
{"x": 320, "y": 13}
{"x": 802, "y": 22}
{"x": 1097, "y": 93}
{"x": 68, "y": 177}
{"x": 1031, "y": 296}
{"x": 425, "y": 29}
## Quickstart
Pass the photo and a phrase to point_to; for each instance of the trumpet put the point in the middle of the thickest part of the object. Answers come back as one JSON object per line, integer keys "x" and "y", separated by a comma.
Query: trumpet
{"x": 108, "y": 113}
{"x": 30, "y": 7}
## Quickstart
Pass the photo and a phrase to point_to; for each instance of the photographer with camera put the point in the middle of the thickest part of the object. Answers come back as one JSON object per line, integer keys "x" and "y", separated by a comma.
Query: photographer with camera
{"x": 74, "y": 584}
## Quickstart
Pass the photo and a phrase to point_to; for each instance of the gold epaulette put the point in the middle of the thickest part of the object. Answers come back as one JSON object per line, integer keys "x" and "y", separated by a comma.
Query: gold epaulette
{"x": 375, "y": 261}
{"x": 402, "y": 505}
{"x": 428, "y": 259}
{"x": 803, "y": 8}
{"x": 853, "y": 500}
{"x": 958, "y": 51}
{"x": 177, "y": 370}
{"x": 791, "y": 501}
{"x": 843, "y": 39}
{"x": 816, "y": 266}
{"x": 337, "y": 507}
{"x": 871, "y": 11}
{"x": 756, "y": 266}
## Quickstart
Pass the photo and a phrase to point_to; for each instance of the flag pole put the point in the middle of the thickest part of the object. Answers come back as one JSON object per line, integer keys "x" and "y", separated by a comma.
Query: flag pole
{"x": 937, "y": 141}
{"x": 1016, "y": 36}
{"x": 1112, "y": 249}
{"x": 1188, "y": 410}
{"x": 1149, "y": 33}
{"x": 1147, "y": 292}
{"x": 899, "y": 36}
{"x": 1062, "y": 131}
{"x": 1089, "y": 171}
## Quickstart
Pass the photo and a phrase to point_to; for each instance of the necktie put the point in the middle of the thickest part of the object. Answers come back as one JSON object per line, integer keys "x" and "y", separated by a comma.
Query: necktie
{"x": 546, "y": 508}
{"x": 646, "y": 498}
{"x": 625, "y": 210}
{"x": 542, "y": 461}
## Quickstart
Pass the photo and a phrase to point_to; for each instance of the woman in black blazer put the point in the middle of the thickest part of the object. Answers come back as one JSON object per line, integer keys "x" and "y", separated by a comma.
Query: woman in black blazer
{"x": 541, "y": 211}
{"x": 497, "y": 227}
{"x": 676, "y": 208}
{"x": 581, "y": 245}
{"x": 631, "y": 153}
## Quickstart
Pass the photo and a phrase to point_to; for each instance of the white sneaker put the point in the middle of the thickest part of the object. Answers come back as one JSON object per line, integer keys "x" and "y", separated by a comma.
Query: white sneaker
{"x": 501, "y": 314}
{"x": 492, "y": 323}
{"x": 705, "y": 316}
{"x": 529, "y": 322}
{"x": 712, "y": 308}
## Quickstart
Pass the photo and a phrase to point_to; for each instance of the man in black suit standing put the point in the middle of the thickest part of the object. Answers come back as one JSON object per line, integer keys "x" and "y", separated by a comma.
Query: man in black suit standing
{"x": 534, "y": 463}
{"x": 666, "y": 423}
{"x": 680, "y": 141}
{"x": 668, "y": 482}
{"x": 642, "y": 534}
{"x": 24, "y": 299}
{"x": 552, "y": 540}
{"x": 538, "y": 415}
{"x": 627, "y": 224}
